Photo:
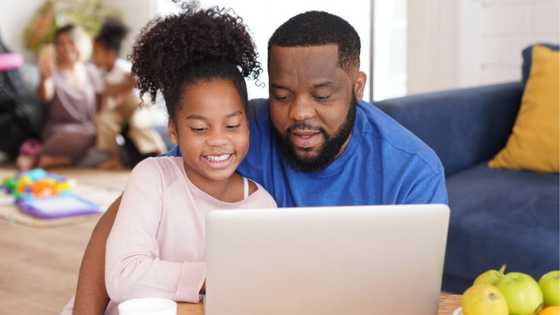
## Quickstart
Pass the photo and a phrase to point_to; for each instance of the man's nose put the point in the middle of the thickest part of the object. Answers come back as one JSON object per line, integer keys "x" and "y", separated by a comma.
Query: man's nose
{"x": 301, "y": 109}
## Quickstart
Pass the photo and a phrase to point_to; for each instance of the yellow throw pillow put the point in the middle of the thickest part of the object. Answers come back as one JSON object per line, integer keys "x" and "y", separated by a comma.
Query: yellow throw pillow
{"x": 534, "y": 143}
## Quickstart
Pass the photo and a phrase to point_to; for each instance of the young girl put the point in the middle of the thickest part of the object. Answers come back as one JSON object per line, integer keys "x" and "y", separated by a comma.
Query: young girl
{"x": 118, "y": 106}
{"x": 198, "y": 59}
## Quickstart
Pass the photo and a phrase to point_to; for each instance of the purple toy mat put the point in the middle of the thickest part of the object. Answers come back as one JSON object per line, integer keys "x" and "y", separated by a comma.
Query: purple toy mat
{"x": 58, "y": 207}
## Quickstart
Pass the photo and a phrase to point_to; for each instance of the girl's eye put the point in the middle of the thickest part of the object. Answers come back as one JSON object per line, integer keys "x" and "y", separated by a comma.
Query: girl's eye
{"x": 233, "y": 126}
{"x": 199, "y": 130}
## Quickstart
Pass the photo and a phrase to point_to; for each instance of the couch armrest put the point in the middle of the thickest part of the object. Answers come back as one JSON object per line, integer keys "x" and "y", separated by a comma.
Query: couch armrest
{"x": 464, "y": 126}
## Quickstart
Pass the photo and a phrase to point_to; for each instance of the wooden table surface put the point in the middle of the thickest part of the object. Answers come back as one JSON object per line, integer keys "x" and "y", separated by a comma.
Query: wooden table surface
{"x": 447, "y": 304}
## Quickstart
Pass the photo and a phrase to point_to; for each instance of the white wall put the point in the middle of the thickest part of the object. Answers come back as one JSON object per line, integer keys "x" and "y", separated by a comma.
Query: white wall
{"x": 432, "y": 55}
{"x": 14, "y": 16}
{"x": 390, "y": 46}
{"x": 136, "y": 13}
{"x": 464, "y": 43}
{"x": 494, "y": 32}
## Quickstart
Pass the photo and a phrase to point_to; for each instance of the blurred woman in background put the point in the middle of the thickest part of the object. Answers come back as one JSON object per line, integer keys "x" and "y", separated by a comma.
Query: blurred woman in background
{"x": 67, "y": 88}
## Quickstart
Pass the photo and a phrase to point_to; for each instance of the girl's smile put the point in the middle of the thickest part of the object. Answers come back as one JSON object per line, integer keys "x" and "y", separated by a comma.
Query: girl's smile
{"x": 211, "y": 128}
{"x": 218, "y": 161}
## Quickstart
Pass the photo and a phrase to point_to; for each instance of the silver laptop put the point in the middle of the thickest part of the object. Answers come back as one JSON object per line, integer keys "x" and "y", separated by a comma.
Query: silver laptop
{"x": 385, "y": 260}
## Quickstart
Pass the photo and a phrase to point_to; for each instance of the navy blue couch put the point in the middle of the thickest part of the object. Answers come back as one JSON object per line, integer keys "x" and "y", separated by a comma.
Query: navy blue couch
{"x": 497, "y": 216}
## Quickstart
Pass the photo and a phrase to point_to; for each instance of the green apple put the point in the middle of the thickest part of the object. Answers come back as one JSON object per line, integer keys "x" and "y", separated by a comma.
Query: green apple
{"x": 483, "y": 299}
{"x": 522, "y": 293}
{"x": 491, "y": 276}
{"x": 550, "y": 287}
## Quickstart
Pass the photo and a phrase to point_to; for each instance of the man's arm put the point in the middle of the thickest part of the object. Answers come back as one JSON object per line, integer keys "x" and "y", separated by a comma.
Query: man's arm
{"x": 91, "y": 294}
{"x": 428, "y": 187}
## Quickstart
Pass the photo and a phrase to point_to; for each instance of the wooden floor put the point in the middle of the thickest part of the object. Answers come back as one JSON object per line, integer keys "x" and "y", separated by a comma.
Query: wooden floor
{"x": 39, "y": 266}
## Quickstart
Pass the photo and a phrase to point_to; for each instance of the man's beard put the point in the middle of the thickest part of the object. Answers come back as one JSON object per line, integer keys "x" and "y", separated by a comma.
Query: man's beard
{"x": 329, "y": 150}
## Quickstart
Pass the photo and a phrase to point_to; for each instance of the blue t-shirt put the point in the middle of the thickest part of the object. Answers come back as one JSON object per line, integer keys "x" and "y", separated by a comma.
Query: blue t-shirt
{"x": 383, "y": 164}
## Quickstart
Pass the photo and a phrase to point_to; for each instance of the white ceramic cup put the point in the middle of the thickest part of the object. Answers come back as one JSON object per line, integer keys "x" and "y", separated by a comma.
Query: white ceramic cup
{"x": 148, "y": 306}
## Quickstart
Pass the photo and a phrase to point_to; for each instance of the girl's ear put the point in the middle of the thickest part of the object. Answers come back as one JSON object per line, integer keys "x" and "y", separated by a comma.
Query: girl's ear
{"x": 172, "y": 131}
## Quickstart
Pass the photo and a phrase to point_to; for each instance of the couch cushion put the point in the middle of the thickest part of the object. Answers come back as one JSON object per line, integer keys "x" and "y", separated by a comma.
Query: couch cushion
{"x": 465, "y": 126}
{"x": 501, "y": 217}
{"x": 534, "y": 142}
{"x": 527, "y": 55}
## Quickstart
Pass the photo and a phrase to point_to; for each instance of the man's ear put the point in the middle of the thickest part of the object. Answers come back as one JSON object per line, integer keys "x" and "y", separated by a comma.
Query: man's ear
{"x": 359, "y": 85}
{"x": 172, "y": 131}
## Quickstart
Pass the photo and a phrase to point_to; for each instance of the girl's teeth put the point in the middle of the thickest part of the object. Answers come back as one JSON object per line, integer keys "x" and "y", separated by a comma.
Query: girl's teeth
{"x": 218, "y": 158}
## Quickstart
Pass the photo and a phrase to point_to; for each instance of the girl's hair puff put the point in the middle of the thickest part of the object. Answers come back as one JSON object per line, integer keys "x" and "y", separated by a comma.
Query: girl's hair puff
{"x": 196, "y": 44}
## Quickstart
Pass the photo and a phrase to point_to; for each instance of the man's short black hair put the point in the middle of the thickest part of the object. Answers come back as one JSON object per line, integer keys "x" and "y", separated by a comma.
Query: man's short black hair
{"x": 315, "y": 28}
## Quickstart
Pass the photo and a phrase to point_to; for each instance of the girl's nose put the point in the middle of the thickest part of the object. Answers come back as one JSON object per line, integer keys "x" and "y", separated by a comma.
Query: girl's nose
{"x": 217, "y": 138}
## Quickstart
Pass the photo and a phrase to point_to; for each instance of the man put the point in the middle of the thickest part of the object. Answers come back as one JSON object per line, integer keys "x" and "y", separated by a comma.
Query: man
{"x": 314, "y": 142}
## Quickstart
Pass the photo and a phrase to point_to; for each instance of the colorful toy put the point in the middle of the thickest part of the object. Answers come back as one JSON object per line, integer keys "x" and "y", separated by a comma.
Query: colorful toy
{"x": 46, "y": 195}
{"x": 36, "y": 183}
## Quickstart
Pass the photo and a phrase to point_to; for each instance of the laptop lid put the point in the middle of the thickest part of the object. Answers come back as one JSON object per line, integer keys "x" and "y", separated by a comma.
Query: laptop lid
{"x": 328, "y": 260}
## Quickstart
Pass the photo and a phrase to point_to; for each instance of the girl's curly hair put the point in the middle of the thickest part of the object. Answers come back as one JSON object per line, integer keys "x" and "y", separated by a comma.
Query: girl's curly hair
{"x": 196, "y": 44}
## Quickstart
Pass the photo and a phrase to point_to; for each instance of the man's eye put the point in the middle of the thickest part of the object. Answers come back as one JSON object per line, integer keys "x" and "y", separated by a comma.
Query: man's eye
{"x": 322, "y": 98}
{"x": 280, "y": 97}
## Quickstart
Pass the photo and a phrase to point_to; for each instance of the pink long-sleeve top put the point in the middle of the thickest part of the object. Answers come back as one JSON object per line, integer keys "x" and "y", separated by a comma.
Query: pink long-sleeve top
{"x": 157, "y": 245}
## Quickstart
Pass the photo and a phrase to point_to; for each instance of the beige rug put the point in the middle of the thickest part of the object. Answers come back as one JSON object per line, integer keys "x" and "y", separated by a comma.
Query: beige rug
{"x": 100, "y": 187}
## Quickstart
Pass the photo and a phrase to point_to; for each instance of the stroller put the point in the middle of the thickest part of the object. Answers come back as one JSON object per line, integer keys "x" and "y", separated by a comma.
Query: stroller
{"x": 21, "y": 114}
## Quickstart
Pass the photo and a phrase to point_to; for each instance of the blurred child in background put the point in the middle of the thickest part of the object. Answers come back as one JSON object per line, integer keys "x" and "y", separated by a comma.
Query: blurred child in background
{"x": 118, "y": 105}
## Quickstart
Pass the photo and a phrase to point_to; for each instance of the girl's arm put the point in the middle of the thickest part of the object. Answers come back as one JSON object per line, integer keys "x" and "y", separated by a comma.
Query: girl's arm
{"x": 133, "y": 267}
